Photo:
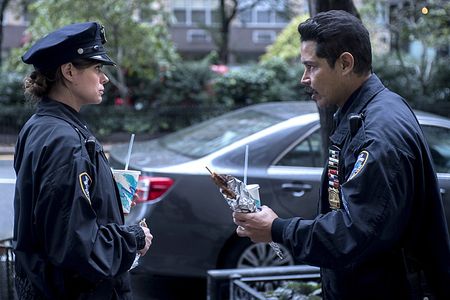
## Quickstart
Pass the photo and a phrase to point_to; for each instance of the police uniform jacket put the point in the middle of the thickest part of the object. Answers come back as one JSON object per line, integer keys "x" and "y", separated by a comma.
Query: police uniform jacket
{"x": 387, "y": 233}
{"x": 70, "y": 240}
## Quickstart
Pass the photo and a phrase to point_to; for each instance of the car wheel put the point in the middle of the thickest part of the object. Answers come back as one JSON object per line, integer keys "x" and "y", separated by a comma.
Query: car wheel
{"x": 245, "y": 254}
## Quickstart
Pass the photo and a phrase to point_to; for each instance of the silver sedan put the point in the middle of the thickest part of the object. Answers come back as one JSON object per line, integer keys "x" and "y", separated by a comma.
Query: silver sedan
{"x": 189, "y": 218}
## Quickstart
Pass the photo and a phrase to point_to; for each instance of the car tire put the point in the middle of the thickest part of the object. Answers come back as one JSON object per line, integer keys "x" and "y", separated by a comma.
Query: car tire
{"x": 245, "y": 254}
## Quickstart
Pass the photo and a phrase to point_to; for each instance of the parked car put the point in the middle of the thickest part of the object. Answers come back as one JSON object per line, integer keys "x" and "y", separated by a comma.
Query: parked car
{"x": 190, "y": 220}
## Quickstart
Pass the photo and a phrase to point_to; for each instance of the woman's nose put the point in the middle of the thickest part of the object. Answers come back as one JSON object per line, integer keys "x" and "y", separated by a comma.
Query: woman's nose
{"x": 105, "y": 79}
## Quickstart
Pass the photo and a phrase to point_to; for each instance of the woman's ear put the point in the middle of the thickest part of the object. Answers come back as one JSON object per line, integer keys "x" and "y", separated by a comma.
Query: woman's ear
{"x": 347, "y": 62}
{"x": 67, "y": 71}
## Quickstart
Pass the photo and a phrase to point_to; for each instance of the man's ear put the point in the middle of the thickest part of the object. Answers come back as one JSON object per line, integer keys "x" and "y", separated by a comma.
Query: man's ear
{"x": 346, "y": 62}
{"x": 67, "y": 70}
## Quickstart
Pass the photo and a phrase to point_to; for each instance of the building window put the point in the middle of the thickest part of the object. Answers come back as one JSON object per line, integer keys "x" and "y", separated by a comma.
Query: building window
{"x": 198, "y": 36}
{"x": 263, "y": 36}
{"x": 281, "y": 18}
{"x": 180, "y": 16}
{"x": 198, "y": 17}
{"x": 246, "y": 16}
{"x": 215, "y": 17}
{"x": 206, "y": 12}
{"x": 263, "y": 16}
{"x": 195, "y": 12}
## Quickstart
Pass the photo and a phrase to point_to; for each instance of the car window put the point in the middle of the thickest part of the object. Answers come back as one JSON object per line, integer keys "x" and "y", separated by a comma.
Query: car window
{"x": 308, "y": 153}
{"x": 438, "y": 139}
{"x": 210, "y": 136}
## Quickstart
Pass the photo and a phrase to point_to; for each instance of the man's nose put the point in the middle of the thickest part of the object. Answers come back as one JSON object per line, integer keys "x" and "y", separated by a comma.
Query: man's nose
{"x": 305, "y": 80}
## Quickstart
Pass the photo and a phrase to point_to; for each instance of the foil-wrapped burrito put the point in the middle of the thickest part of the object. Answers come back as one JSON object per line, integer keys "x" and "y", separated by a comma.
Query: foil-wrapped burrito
{"x": 239, "y": 198}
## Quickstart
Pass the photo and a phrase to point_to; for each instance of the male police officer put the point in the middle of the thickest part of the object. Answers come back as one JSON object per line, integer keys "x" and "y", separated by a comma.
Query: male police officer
{"x": 381, "y": 231}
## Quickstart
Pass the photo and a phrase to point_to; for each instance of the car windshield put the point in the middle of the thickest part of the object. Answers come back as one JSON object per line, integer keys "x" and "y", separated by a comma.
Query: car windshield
{"x": 212, "y": 135}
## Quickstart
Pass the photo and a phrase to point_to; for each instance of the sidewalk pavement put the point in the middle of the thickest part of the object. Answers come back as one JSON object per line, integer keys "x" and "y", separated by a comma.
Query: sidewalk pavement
{"x": 7, "y": 152}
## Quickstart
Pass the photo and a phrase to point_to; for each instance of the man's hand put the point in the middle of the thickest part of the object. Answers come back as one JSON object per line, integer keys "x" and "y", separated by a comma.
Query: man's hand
{"x": 148, "y": 240}
{"x": 257, "y": 226}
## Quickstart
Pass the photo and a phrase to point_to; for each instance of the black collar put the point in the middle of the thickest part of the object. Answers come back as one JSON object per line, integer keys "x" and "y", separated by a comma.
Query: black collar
{"x": 357, "y": 102}
{"x": 57, "y": 109}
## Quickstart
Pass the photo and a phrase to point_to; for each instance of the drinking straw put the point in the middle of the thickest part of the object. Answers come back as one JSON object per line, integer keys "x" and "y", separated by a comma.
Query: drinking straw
{"x": 245, "y": 165}
{"x": 129, "y": 151}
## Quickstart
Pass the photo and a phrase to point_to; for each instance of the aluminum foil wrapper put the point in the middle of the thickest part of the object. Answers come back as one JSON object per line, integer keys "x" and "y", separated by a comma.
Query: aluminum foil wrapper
{"x": 243, "y": 201}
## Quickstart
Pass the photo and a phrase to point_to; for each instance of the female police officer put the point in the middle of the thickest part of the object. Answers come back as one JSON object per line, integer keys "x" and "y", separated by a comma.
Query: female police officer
{"x": 70, "y": 240}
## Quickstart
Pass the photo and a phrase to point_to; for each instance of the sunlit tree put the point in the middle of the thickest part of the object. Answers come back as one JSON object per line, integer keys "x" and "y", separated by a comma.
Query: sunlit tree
{"x": 138, "y": 39}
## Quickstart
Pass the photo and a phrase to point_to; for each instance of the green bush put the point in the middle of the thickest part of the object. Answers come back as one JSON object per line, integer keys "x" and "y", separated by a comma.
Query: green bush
{"x": 189, "y": 92}
{"x": 296, "y": 290}
{"x": 105, "y": 120}
{"x": 432, "y": 94}
{"x": 272, "y": 80}
{"x": 11, "y": 91}
{"x": 286, "y": 85}
{"x": 186, "y": 83}
{"x": 440, "y": 84}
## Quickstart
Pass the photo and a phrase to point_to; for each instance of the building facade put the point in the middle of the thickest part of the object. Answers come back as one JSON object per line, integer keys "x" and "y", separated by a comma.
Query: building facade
{"x": 195, "y": 26}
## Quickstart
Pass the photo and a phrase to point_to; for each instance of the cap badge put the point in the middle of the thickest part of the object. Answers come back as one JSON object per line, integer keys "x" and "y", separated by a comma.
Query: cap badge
{"x": 103, "y": 34}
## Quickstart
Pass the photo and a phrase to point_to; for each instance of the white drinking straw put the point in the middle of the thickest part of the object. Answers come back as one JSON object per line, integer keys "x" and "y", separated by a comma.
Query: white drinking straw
{"x": 129, "y": 151}
{"x": 245, "y": 165}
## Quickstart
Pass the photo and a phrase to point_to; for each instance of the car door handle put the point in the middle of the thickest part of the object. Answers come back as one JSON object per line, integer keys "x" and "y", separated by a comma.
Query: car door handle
{"x": 297, "y": 189}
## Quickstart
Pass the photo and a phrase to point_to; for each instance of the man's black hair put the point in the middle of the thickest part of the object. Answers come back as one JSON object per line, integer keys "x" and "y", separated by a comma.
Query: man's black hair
{"x": 335, "y": 32}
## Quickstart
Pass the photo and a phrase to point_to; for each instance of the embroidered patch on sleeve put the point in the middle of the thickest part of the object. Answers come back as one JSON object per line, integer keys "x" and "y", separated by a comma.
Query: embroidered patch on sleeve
{"x": 85, "y": 183}
{"x": 360, "y": 163}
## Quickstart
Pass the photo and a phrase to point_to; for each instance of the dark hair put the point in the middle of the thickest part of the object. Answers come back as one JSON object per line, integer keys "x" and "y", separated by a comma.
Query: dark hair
{"x": 335, "y": 32}
{"x": 39, "y": 83}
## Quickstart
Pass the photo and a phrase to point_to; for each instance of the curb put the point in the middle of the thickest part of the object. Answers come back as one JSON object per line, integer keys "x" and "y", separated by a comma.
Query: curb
{"x": 6, "y": 150}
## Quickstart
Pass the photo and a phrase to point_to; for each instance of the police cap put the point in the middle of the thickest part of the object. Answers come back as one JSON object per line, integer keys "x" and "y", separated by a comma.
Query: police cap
{"x": 81, "y": 40}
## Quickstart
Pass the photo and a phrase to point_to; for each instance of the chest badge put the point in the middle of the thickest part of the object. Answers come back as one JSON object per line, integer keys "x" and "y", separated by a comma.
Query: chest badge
{"x": 359, "y": 164}
{"x": 333, "y": 178}
{"x": 85, "y": 183}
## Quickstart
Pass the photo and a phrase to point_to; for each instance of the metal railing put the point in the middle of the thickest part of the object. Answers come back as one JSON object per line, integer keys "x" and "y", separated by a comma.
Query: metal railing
{"x": 6, "y": 270}
{"x": 248, "y": 283}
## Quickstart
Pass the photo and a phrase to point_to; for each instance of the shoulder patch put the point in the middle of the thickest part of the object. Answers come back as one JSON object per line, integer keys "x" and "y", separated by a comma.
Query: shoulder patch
{"x": 359, "y": 164}
{"x": 85, "y": 182}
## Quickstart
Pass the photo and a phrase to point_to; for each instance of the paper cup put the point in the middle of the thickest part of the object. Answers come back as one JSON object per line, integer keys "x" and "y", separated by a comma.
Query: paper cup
{"x": 253, "y": 190}
{"x": 126, "y": 181}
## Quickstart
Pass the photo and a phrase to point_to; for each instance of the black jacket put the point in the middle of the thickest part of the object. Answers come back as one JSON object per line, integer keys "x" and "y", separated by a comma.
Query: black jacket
{"x": 70, "y": 240}
{"x": 389, "y": 230}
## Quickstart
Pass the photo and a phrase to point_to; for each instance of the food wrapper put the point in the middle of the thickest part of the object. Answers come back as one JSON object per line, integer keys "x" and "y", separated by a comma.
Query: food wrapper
{"x": 239, "y": 199}
{"x": 142, "y": 223}
{"x": 243, "y": 201}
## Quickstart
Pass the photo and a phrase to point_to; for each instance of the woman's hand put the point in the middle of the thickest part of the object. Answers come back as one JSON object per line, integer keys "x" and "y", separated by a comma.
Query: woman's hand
{"x": 133, "y": 202}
